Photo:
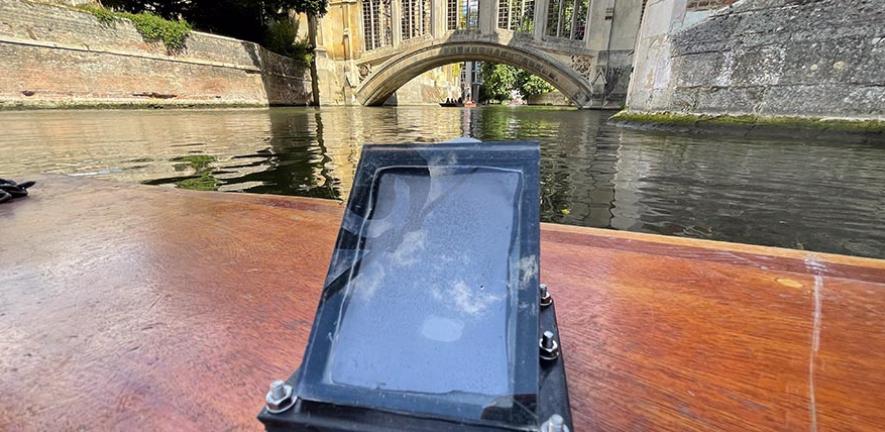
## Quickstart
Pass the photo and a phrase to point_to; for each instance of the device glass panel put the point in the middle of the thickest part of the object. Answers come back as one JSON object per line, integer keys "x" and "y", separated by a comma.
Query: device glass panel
{"x": 431, "y": 296}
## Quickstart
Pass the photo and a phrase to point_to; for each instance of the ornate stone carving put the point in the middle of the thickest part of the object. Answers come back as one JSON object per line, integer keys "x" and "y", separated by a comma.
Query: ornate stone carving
{"x": 583, "y": 64}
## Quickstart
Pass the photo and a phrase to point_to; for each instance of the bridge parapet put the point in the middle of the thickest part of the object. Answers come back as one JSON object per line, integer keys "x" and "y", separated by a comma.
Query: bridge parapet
{"x": 587, "y": 58}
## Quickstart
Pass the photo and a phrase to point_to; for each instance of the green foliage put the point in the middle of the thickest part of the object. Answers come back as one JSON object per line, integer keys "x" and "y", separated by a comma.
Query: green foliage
{"x": 531, "y": 85}
{"x": 152, "y": 27}
{"x": 203, "y": 179}
{"x": 106, "y": 17}
{"x": 315, "y": 7}
{"x": 281, "y": 38}
{"x": 498, "y": 81}
{"x": 242, "y": 19}
{"x": 204, "y": 182}
{"x": 197, "y": 162}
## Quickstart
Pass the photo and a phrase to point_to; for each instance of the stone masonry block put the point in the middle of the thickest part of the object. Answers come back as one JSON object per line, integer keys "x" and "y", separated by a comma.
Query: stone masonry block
{"x": 814, "y": 100}
{"x": 870, "y": 70}
{"x": 697, "y": 69}
{"x": 826, "y": 61}
{"x": 759, "y": 65}
{"x": 729, "y": 99}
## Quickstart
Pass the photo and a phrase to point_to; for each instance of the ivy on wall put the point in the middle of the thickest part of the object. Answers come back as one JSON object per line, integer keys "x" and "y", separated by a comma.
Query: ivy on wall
{"x": 153, "y": 28}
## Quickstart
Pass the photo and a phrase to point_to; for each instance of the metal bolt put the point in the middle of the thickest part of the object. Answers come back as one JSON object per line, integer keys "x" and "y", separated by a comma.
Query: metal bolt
{"x": 549, "y": 347}
{"x": 547, "y": 339}
{"x": 279, "y": 398}
{"x": 278, "y": 389}
{"x": 546, "y": 299}
{"x": 554, "y": 424}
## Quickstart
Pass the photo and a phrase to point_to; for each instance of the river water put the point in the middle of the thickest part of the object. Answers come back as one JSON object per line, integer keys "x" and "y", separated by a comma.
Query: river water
{"x": 823, "y": 196}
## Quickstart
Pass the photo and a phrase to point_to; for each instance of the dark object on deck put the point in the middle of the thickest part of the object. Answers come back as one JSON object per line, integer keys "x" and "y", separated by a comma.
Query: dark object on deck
{"x": 431, "y": 316}
{"x": 10, "y": 189}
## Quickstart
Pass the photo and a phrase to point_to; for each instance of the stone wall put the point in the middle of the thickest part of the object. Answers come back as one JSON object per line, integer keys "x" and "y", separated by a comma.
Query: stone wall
{"x": 342, "y": 61}
{"x": 611, "y": 35}
{"x": 816, "y": 58}
{"x": 550, "y": 98}
{"x": 56, "y": 56}
{"x": 431, "y": 87}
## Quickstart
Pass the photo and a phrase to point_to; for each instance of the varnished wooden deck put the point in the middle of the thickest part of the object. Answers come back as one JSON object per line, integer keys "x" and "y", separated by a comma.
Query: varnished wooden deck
{"x": 140, "y": 308}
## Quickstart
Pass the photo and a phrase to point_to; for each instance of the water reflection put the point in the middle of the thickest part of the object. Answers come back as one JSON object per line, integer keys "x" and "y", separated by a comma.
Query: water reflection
{"x": 824, "y": 196}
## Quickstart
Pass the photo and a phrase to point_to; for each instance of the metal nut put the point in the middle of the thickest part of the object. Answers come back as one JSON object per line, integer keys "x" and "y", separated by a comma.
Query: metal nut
{"x": 545, "y": 298}
{"x": 280, "y": 397}
{"x": 549, "y": 347}
{"x": 554, "y": 424}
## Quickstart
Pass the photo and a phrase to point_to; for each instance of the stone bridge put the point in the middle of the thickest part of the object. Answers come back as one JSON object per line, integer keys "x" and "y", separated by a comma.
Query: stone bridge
{"x": 582, "y": 47}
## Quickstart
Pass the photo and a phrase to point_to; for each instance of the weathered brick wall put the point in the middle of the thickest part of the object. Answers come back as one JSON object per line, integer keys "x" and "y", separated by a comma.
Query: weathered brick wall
{"x": 60, "y": 56}
{"x": 767, "y": 57}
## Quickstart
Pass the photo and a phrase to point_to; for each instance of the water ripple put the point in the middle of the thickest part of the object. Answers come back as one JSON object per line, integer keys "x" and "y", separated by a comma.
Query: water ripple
{"x": 822, "y": 196}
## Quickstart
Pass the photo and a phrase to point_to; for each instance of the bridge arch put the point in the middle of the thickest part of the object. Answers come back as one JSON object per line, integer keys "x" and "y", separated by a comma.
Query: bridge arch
{"x": 420, "y": 57}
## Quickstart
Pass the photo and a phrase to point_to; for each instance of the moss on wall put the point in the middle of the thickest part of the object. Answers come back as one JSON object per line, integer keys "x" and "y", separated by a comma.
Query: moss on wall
{"x": 748, "y": 121}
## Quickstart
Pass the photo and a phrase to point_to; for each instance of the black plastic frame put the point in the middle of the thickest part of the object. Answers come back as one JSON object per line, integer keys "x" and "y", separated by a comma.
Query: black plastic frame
{"x": 323, "y": 417}
{"x": 336, "y": 407}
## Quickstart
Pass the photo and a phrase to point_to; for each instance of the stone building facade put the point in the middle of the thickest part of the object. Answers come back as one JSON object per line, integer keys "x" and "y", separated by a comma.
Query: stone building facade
{"x": 351, "y": 35}
{"x": 813, "y": 58}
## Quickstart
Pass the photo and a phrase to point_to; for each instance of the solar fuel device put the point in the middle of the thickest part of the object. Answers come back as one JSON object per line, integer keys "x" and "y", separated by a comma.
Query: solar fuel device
{"x": 433, "y": 317}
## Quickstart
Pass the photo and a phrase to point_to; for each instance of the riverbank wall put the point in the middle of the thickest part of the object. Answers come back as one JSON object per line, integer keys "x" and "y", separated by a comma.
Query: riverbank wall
{"x": 554, "y": 98}
{"x": 54, "y": 56}
{"x": 760, "y": 59}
